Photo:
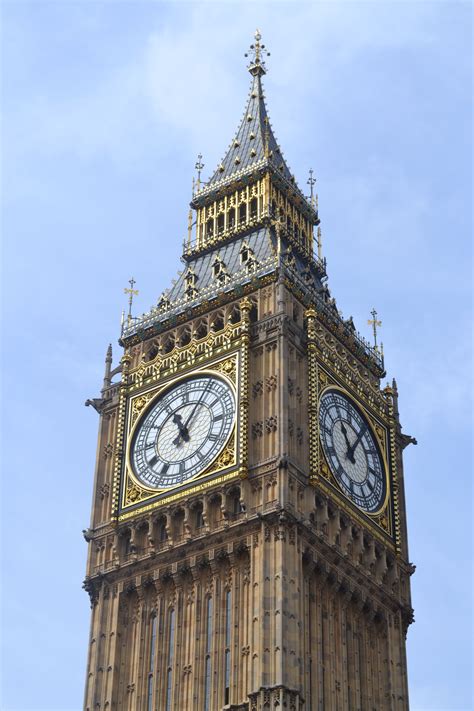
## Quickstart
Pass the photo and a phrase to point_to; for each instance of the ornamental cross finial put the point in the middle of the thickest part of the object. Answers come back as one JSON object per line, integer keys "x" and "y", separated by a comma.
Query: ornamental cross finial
{"x": 375, "y": 324}
{"x": 257, "y": 52}
{"x": 311, "y": 182}
{"x": 131, "y": 292}
{"x": 199, "y": 166}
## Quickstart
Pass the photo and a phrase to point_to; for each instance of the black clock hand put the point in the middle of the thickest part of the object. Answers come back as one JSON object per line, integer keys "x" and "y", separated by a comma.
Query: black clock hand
{"x": 349, "y": 454}
{"x": 352, "y": 449}
{"x": 183, "y": 430}
{"x": 186, "y": 424}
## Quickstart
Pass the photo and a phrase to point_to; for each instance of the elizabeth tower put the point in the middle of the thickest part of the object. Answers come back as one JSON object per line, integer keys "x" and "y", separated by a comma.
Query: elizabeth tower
{"x": 248, "y": 540}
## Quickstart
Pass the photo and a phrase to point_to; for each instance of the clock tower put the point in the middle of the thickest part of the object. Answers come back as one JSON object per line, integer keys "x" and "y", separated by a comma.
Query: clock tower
{"x": 248, "y": 541}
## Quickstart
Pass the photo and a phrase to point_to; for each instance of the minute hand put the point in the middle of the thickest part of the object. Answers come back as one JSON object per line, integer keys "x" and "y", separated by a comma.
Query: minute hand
{"x": 352, "y": 448}
{"x": 186, "y": 424}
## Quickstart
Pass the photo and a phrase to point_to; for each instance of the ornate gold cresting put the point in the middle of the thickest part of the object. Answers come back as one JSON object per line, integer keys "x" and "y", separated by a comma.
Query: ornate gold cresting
{"x": 245, "y": 306}
{"x": 120, "y": 435}
{"x": 313, "y": 396}
{"x": 388, "y": 392}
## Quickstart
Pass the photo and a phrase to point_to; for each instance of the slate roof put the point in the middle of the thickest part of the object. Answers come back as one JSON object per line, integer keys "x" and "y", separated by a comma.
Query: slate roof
{"x": 260, "y": 242}
{"x": 263, "y": 248}
{"x": 248, "y": 146}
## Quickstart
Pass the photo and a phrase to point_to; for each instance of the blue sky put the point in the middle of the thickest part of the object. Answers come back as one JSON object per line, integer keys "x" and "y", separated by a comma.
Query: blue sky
{"x": 105, "y": 107}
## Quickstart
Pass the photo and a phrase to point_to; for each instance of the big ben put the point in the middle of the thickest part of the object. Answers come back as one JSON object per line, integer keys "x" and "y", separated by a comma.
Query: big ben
{"x": 248, "y": 540}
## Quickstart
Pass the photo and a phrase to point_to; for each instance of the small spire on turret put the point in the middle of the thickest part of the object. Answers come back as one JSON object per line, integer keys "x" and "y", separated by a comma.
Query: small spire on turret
{"x": 257, "y": 52}
{"x": 199, "y": 166}
{"x": 190, "y": 227}
{"x": 108, "y": 366}
{"x": 320, "y": 243}
{"x": 375, "y": 324}
{"x": 131, "y": 292}
{"x": 311, "y": 182}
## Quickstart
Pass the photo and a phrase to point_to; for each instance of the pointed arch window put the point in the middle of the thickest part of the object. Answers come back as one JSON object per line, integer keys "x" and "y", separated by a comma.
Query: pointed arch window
{"x": 231, "y": 217}
{"x": 243, "y": 213}
{"x": 253, "y": 208}
{"x": 220, "y": 223}
{"x": 228, "y": 616}
{"x": 151, "y": 667}
{"x": 208, "y": 660}
{"x": 162, "y": 532}
{"x": 169, "y": 672}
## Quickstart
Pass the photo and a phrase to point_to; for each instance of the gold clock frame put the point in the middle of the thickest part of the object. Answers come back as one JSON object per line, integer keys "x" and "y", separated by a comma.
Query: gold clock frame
{"x": 373, "y": 514}
{"x": 135, "y": 497}
{"x": 385, "y": 523}
{"x": 156, "y": 393}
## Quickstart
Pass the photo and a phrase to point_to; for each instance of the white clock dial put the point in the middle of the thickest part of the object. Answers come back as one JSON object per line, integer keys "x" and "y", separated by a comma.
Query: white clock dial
{"x": 183, "y": 431}
{"x": 352, "y": 452}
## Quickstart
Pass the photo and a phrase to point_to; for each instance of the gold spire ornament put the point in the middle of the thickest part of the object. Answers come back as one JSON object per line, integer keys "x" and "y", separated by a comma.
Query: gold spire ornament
{"x": 257, "y": 52}
{"x": 320, "y": 243}
{"x": 266, "y": 138}
{"x": 199, "y": 166}
{"x": 311, "y": 182}
{"x": 190, "y": 227}
{"x": 131, "y": 292}
{"x": 375, "y": 324}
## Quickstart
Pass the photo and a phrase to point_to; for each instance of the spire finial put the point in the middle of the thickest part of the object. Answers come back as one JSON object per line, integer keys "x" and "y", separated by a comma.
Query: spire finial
{"x": 311, "y": 182}
{"x": 375, "y": 324}
{"x": 199, "y": 166}
{"x": 257, "y": 52}
{"x": 108, "y": 366}
{"x": 131, "y": 292}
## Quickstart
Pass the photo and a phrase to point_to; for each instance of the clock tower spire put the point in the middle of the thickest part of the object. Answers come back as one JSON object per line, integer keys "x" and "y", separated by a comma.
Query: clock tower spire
{"x": 248, "y": 539}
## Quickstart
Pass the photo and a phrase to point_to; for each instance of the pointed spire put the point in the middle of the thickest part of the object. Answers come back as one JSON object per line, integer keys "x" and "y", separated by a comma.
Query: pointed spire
{"x": 108, "y": 366}
{"x": 254, "y": 143}
{"x": 375, "y": 323}
{"x": 199, "y": 166}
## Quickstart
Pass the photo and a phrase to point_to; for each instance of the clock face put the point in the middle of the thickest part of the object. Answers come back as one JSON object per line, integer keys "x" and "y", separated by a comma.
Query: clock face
{"x": 351, "y": 451}
{"x": 183, "y": 431}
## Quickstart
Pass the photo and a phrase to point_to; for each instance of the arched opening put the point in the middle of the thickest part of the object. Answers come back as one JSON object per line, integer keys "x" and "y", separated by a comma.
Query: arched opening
{"x": 253, "y": 208}
{"x": 220, "y": 223}
{"x": 201, "y": 330}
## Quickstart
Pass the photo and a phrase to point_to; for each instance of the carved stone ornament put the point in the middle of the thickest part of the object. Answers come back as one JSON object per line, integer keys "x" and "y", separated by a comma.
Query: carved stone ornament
{"x": 227, "y": 367}
{"x": 138, "y": 404}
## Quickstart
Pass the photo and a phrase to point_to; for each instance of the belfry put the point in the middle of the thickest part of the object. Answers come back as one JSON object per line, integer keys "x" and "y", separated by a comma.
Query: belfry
{"x": 248, "y": 540}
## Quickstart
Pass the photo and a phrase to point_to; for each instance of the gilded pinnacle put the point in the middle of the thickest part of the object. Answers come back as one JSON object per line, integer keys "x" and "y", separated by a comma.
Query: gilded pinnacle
{"x": 257, "y": 52}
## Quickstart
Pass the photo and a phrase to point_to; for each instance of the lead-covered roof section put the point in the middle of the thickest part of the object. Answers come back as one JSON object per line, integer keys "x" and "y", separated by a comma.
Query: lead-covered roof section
{"x": 254, "y": 141}
{"x": 258, "y": 247}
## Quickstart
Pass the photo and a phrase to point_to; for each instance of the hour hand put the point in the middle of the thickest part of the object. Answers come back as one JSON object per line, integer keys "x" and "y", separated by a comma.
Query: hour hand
{"x": 349, "y": 453}
{"x": 357, "y": 441}
{"x": 183, "y": 430}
